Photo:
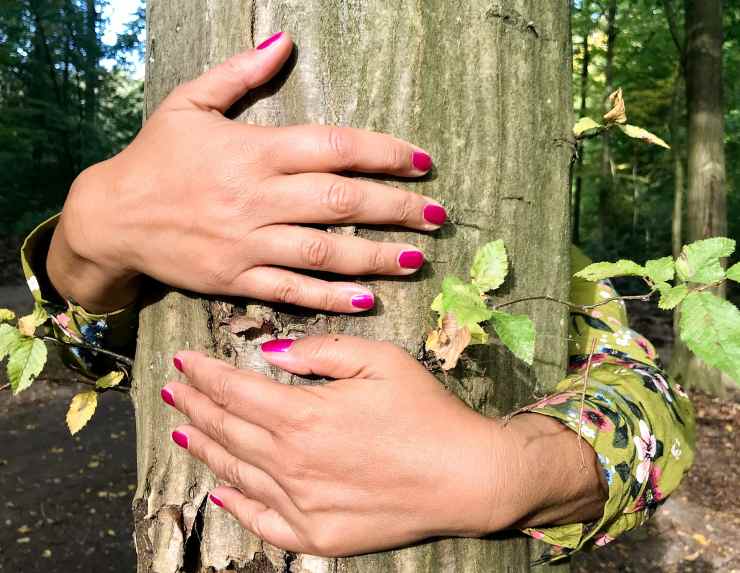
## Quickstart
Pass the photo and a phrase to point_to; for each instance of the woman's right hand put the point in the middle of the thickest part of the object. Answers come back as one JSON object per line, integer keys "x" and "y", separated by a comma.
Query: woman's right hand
{"x": 215, "y": 206}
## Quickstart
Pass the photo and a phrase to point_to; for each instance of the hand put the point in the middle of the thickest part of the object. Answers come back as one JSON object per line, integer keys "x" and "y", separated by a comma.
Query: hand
{"x": 381, "y": 457}
{"x": 211, "y": 205}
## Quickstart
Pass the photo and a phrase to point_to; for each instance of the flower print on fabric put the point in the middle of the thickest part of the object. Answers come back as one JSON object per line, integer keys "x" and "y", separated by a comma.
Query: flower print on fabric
{"x": 646, "y": 446}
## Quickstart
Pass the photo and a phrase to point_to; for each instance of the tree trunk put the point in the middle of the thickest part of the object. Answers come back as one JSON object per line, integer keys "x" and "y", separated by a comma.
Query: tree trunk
{"x": 706, "y": 194}
{"x": 607, "y": 177}
{"x": 486, "y": 88}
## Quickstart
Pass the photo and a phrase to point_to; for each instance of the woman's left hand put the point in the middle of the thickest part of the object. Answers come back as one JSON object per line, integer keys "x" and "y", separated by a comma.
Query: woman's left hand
{"x": 380, "y": 457}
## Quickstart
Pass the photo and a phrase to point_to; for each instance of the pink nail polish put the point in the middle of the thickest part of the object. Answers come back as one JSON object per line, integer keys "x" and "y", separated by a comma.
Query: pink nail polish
{"x": 421, "y": 161}
{"x": 167, "y": 396}
{"x": 216, "y": 500}
{"x": 177, "y": 361}
{"x": 363, "y": 301}
{"x": 180, "y": 439}
{"x": 279, "y": 345}
{"x": 411, "y": 259}
{"x": 435, "y": 214}
{"x": 271, "y": 40}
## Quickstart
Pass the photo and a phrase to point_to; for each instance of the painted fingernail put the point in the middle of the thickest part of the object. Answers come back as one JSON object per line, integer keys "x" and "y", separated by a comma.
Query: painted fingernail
{"x": 216, "y": 500}
{"x": 411, "y": 259}
{"x": 435, "y": 214}
{"x": 279, "y": 345}
{"x": 177, "y": 361}
{"x": 363, "y": 301}
{"x": 167, "y": 396}
{"x": 271, "y": 40}
{"x": 421, "y": 161}
{"x": 180, "y": 439}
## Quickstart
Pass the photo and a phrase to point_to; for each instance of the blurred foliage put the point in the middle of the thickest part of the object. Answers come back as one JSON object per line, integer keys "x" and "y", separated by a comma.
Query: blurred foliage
{"x": 61, "y": 109}
{"x": 647, "y": 67}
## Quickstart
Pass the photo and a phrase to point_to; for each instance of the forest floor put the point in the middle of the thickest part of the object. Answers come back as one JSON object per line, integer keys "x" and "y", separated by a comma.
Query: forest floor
{"x": 67, "y": 500}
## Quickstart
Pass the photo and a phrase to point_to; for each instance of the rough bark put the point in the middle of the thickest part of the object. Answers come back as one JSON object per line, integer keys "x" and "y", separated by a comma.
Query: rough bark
{"x": 706, "y": 198}
{"x": 486, "y": 88}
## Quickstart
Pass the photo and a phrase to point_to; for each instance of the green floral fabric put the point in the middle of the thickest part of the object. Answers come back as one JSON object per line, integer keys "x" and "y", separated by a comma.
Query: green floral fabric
{"x": 639, "y": 423}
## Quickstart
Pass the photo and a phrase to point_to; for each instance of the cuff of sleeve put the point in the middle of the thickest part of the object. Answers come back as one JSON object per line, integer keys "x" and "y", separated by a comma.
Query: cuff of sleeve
{"x": 71, "y": 323}
{"x": 642, "y": 430}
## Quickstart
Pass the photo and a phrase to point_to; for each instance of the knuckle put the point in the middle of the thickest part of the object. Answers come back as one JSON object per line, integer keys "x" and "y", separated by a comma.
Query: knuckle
{"x": 316, "y": 251}
{"x": 288, "y": 292}
{"x": 376, "y": 260}
{"x": 325, "y": 539}
{"x": 340, "y": 144}
{"x": 222, "y": 389}
{"x": 232, "y": 472}
{"x": 216, "y": 427}
{"x": 343, "y": 198}
{"x": 405, "y": 208}
{"x": 397, "y": 157}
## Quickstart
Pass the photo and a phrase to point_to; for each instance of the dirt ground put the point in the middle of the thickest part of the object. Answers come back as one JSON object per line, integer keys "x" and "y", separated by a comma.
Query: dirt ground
{"x": 66, "y": 504}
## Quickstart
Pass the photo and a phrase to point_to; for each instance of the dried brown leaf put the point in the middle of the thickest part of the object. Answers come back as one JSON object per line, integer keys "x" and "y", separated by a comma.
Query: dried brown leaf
{"x": 448, "y": 342}
{"x": 618, "y": 113}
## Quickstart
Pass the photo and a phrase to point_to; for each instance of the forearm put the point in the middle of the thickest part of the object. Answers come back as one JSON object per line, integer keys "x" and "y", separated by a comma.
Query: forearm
{"x": 557, "y": 475}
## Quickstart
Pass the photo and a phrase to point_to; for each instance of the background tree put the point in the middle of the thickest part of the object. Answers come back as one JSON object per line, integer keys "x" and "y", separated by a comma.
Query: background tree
{"x": 465, "y": 81}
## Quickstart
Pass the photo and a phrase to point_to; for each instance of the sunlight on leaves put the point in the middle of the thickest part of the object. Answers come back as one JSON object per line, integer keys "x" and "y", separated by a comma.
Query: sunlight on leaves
{"x": 27, "y": 360}
{"x": 6, "y": 315}
{"x": 643, "y": 135}
{"x": 585, "y": 126}
{"x": 490, "y": 266}
{"x": 517, "y": 333}
{"x": 81, "y": 410}
{"x": 110, "y": 380}
{"x": 671, "y": 297}
{"x": 600, "y": 271}
{"x": 700, "y": 261}
{"x": 660, "y": 270}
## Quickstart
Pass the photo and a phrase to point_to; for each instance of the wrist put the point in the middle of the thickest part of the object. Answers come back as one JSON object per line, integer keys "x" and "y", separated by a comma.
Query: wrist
{"x": 77, "y": 264}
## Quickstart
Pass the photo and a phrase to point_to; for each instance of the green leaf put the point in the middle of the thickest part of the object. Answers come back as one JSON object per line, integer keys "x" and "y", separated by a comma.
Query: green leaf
{"x": 660, "y": 270}
{"x": 584, "y": 125}
{"x": 490, "y": 266}
{"x": 29, "y": 323}
{"x": 516, "y": 331}
{"x": 110, "y": 380}
{"x": 463, "y": 300}
{"x": 733, "y": 273}
{"x": 699, "y": 261}
{"x": 477, "y": 335}
{"x": 710, "y": 327}
{"x": 600, "y": 271}
{"x": 672, "y": 297}
{"x": 6, "y": 315}
{"x": 81, "y": 410}
{"x": 437, "y": 305}
{"x": 26, "y": 361}
{"x": 9, "y": 338}
{"x": 643, "y": 134}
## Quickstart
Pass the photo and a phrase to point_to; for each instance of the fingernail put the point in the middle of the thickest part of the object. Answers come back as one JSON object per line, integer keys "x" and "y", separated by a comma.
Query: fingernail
{"x": 216, "y": 500}
{"x": 279, "y": 345}
{"x": 363, "y": 301}
{"x": 167, "y": 396}
{"x": 411, "y": 259}
{"x": 271, "y": 40}
{"x": 421, "y": 161}
{"x": 435, "y": 214}
{"x": 180, "y": 439}
{"x": 177, "y": 361}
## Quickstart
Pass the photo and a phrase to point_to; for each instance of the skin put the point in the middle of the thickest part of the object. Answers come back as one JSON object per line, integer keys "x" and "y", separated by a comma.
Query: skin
{"x": 363, "y": 463}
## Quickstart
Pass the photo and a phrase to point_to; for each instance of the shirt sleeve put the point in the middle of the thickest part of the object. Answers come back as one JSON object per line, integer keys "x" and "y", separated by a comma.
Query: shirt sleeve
{"x": 640, "y": 424}
{"x": 77, "y": 330}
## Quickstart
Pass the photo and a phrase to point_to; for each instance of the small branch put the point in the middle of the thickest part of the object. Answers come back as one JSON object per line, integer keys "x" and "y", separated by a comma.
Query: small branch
{"x": 119, "y": 357}
{"x": 573, "y": 306}
{"x": 4, "y": 387}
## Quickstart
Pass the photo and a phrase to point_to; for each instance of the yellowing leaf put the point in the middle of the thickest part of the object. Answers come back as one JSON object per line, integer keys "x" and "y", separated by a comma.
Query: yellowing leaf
{"x": 643, "y": 134}
{"x": 584, "y": 125}
{"x": 81, "y": 410}
{"x": 490, "y": 266}
{"x": 618, "y": 113}
{"x": 27, "y": 360}
{"x": 27, "y": 325}
{"x": 600, "y": 271}
{"x": 6, "y": 315}
{"x": 110, "y": 380}
{"x": 733, "y": 273}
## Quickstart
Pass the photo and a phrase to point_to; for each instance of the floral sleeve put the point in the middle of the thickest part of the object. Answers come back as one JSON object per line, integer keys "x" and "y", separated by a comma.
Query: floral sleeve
{"x": 640, "y": 424}
{"x": 78, "y": 330}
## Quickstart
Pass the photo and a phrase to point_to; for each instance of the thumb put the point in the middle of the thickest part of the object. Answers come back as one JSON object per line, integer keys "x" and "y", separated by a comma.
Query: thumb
{"x": 220, "y": 87}
{"x": 334, "y": 356}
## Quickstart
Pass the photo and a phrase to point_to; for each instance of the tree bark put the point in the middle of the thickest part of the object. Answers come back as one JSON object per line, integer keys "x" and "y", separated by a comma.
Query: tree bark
{"x": 706, "y": 194}
{"x": 486, "y": 88}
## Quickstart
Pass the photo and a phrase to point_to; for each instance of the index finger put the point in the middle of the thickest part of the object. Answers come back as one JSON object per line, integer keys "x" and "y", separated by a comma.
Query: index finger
{"x": 321, "y": 148}
{"x": 245, "y": 393}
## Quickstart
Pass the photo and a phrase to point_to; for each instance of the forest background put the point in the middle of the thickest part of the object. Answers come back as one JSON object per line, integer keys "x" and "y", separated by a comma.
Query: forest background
{"x": 71, "y": 92}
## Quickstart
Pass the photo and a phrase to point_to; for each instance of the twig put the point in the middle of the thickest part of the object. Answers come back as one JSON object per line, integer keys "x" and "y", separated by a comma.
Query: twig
{"x": 4, "y": 387}
{"x": 120, "y": 357}
{"x": 583, "y": 403}
{"x": 574, "y": 306}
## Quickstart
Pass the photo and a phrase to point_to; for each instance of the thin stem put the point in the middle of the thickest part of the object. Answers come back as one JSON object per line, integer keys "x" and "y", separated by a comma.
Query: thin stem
{"x": 4, "y": 387}
{"x": 119, "y": 357}
{"x": 574, "y": 306}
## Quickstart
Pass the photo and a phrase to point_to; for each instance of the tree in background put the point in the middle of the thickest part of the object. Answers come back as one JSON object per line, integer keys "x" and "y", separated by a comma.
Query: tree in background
{"x": 60, "y": 109}
{"x": 465, "y": 80}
